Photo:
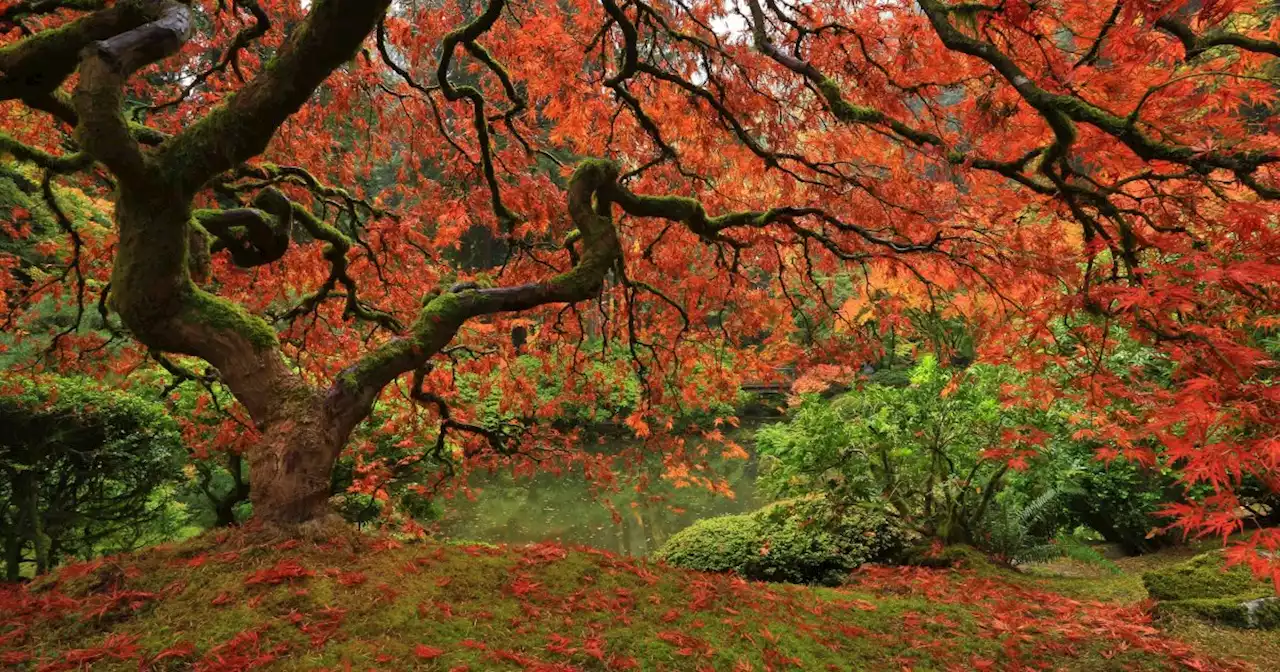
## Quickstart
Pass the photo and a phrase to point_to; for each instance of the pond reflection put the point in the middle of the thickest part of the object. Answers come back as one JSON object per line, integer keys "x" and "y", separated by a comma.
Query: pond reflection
{"x": 562, "y": 508}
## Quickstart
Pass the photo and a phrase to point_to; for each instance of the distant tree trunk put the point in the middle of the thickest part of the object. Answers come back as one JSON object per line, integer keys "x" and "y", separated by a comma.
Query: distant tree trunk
{"x": 12, "y": 550}
{"x": 27, "y": 495}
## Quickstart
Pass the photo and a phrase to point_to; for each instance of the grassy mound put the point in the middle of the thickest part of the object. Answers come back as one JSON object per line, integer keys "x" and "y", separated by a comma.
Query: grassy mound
{"x": 218, "y": 605}
{"x": 1204, "y": 587}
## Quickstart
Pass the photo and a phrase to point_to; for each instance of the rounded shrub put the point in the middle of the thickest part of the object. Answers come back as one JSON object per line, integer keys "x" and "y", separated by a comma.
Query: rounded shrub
{"x": 719, "y": 544}
{"x": 799, "y": 541}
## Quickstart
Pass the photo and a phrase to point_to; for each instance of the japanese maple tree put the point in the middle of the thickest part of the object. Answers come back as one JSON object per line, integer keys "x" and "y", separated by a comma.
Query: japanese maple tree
{"x": 291, "y": 182}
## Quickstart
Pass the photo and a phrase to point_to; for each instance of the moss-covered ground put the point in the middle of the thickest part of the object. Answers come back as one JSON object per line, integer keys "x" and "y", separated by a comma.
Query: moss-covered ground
{"x": 1259, "y": 649}
{"x": 223, "y": 604}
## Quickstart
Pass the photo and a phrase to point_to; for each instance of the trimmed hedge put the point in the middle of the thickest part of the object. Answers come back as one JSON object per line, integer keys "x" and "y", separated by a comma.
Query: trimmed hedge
{"x": 798, "y": 541}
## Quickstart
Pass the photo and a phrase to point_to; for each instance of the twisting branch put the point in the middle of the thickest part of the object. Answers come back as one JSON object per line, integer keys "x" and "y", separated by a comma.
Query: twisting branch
{"x": 466, "y": 36}
{"x": 335, "y": 252}
{"x": 107, "y": 64}
{"x": 444, "y": 313}
{"x": 270, "y": 173}
{"x": 73, "y": 266}
{"x": 38, "y": 65}
{"x": 254, "y": 236}
{"x": 592, "y": 193}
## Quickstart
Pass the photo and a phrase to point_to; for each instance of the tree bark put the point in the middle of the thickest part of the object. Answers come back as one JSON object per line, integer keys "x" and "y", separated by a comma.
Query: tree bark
{"x": 292, "y": 466}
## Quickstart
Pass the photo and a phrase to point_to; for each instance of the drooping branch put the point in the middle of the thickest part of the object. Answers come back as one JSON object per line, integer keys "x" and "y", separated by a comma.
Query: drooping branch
{"x": 1058, "y": 108}
{"x": 335, "y": 252}
{"x": 467, "y": 36}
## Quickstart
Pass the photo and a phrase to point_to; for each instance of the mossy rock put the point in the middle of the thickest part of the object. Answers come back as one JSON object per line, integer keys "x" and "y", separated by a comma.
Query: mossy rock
{"x": 959, "y": 556}
{"x": 1262, "y": 612}
{"x": 1204, "y": 576}
{"x": 1205, "y": 588}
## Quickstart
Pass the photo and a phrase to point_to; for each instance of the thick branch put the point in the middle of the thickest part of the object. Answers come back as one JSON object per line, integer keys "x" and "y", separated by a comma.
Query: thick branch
{"x": 240, "y": 128}
{"x": 353, "y": 394}
{"x": 39, "y": 64}
{"x": 255, "y": 236}
{"x": 1197, "y": 44}
{"x": 106, "y": 65}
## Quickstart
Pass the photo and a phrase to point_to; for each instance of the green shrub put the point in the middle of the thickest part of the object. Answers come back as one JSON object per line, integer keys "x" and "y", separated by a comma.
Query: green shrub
{"x": 85, "y": 470}
{"x": 718, "y": 544}
{"x": 800, "y": 541}
{"x": 935, "y": 452}
{"x": 1204, "y": 587}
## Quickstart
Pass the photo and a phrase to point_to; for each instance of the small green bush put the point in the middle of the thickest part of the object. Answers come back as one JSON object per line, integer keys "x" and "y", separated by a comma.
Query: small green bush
{"x": 1204, "y": 587}
{"x": 799, "y": 541}
{"x": 719, "y": 544}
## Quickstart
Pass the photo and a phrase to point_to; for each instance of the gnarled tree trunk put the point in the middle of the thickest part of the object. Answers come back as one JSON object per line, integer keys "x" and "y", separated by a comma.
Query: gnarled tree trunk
{"x": 292, "y": 465}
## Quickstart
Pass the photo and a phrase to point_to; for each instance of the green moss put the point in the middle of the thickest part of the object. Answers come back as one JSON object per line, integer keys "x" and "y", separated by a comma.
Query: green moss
{"x": 602, "y": 166}
{"x": 204, "y": 308}
{"x": 957, "y": 556}
{"x": 445, "y": 310}
{"x": 1205, "y": 588}
{"x": 544, "y": 607}
{"x": 1204, "y": 576}
{"x": 719, "y": 544}
{"x": 842, "y": 108}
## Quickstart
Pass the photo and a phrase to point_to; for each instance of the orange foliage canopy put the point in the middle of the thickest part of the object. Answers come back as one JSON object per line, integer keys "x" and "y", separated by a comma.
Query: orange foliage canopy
{"x": 1099, "y": 165}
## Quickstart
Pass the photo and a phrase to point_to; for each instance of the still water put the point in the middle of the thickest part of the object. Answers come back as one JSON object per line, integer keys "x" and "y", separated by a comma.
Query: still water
{"x": 562, "y": 508}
